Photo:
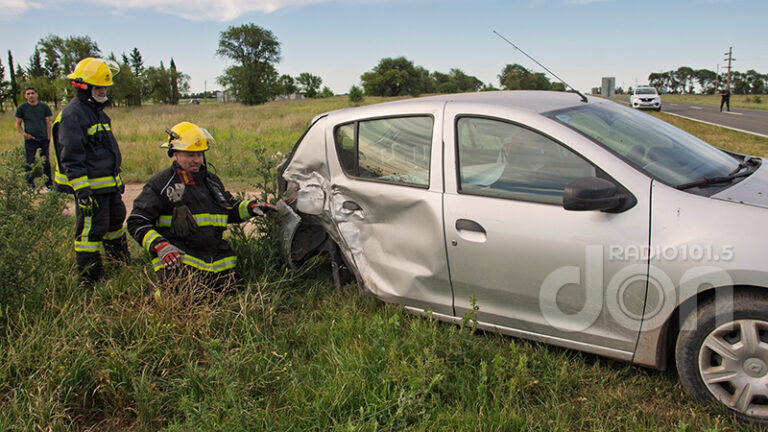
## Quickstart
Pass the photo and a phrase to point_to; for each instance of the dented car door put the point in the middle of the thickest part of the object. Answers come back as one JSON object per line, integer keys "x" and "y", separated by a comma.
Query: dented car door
{"x": 386, "y": 203}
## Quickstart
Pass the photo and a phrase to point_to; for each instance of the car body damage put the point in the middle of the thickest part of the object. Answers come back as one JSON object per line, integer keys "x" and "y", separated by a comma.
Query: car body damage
{"x": 579, "y": 223}
{"x": 367, "y": 221}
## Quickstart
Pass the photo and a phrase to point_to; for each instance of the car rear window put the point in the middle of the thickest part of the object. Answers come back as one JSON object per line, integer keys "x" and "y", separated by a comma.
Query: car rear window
{"x": 394, "y": 150}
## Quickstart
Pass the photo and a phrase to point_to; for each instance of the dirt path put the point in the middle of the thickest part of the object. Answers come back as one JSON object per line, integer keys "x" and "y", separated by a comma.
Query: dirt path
{"x": 132, "y": 190}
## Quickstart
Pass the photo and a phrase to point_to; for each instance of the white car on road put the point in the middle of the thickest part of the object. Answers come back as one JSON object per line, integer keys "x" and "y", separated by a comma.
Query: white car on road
{"x": 645, "y": 97}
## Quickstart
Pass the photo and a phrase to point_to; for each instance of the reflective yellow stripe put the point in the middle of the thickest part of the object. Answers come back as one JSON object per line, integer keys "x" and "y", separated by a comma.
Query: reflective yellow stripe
{"x": 202, "y": 219}
{"x": 114, "y": 235}
{"x": 83, "y": 244}
{"x": 150, "y": 238}
{"x": 98, "y": 127}
{"x": 214, "y": 267}
{"x": 84, "y": 181}
{"x": 243, "y": 210}
{"x": 79, "y": 183}
{"x": 87, "y": 246}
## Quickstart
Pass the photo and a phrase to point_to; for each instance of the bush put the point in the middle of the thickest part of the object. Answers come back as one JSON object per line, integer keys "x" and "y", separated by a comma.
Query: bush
{"x": 35, "y": 240}
{"x": 355, "y": 95}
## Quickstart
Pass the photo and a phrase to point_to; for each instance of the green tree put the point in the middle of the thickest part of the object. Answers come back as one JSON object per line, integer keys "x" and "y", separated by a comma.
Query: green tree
{"x": 254, "y": 50}
{"x": 286, "y": 85}
{"x": 14, "y": 90}
{"x": 517, "y": 77}
{"x": 137, "y": 63}
{"x": 685, "y": 77}
{"x": 127, "y": 89}
{"x": 707, "y": 80}
{"x": 393, "y": 77}
{"x": 309, "y": 84}
{"x": 326, "y": 92}
{"x": 356, "y": 95}
{"x": 174, "y": 77}
{"x": 35, "y": 68}
{"x": 4, "y": 87}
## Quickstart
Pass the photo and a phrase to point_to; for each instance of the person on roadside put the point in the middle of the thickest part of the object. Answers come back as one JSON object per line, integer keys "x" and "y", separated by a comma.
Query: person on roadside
{"x": 725, "y": 99}
{"x": 88, "y": 166}
{"x": 36, "y": 130}
{"x": 181, "y": 214}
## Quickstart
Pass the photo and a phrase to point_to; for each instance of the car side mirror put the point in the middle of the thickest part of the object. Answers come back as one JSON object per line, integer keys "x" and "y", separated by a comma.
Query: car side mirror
{"x": 594, "y": 193}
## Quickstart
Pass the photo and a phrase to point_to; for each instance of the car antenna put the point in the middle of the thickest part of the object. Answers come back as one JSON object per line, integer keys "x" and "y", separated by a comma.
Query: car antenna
{"x": 583, "y": 98}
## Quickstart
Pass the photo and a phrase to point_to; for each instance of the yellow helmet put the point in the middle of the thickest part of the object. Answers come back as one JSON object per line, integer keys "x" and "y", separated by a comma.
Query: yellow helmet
{"x": 188, "y": 137}
{"x": 93, "y": 71}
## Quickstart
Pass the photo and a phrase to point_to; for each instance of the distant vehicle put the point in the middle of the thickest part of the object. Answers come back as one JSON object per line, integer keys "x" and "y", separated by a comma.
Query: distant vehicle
{"x": 194, "y": 102}
{"x": 645, "y": 97}
{"x": 579, "y": 223}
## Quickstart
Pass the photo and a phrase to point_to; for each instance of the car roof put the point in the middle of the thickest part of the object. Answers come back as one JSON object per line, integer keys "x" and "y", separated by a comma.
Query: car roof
{"x": 536, "y": 101}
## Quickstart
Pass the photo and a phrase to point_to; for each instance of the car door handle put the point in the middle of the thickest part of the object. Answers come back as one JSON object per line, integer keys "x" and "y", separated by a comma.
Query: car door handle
{"x": 470, "y": 230}
{"x": 351, "y": 206}
{"x": 468, "y": 225}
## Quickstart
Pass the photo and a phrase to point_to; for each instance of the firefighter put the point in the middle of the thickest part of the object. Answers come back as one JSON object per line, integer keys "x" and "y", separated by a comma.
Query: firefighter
{"x": 182, "y": 212}
{"x": 88, "y": 166}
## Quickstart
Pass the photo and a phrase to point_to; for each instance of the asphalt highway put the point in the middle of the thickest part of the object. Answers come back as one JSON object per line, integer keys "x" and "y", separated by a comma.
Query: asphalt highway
{"x": 744, "y": 120}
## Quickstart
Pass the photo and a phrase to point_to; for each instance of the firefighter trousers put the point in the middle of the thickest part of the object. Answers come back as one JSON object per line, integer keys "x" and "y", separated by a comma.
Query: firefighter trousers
{"x": 104, "y": 229}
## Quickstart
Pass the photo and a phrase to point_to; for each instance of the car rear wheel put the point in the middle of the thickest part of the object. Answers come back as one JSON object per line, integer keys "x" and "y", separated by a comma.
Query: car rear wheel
{"x": 724, "y": 356}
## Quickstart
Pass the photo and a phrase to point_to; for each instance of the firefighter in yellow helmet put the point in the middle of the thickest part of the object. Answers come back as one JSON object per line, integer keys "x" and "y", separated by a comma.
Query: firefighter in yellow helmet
{"x": 182, "y": 212}
{"x": 88, "y": 166}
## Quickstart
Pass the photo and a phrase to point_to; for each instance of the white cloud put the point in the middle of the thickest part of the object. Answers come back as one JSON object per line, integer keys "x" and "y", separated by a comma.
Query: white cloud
{"x": 205, "y": 10}
{"x": 13, "y": 8}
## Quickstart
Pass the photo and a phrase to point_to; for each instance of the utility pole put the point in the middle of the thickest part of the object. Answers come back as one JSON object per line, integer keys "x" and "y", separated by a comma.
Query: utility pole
{"x": 205, "y": 91}
{"x": 730, "y": 59}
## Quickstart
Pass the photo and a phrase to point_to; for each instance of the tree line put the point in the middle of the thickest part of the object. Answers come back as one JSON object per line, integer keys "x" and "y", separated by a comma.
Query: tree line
{"x": 54, "y": 57}
{"x": 705, "y": 81}
{"x": 252, "y": 78}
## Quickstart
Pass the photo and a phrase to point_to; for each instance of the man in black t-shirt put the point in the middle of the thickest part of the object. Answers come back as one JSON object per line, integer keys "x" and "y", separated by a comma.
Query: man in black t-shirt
{"x": 36, "y": 131}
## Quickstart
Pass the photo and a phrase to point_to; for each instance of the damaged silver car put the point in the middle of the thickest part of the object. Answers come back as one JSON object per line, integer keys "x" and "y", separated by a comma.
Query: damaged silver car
{"x": 575, "y": 222}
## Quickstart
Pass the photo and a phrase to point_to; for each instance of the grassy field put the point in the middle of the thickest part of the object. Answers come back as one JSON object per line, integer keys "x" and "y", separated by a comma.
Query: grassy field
{"x": 288, "y": 352}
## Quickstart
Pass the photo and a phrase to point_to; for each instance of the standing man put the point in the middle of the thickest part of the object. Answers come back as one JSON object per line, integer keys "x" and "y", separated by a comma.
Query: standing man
{"x": 88, "y": 166}
{"x": 725, "y": 98}
{"x": 181, "y": 214}
{"x": 36, "y": 131}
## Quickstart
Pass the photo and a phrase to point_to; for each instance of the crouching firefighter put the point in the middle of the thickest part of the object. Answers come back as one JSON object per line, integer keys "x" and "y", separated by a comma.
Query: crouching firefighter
{"x": 182, "y": 212}
{"x": 88, "y": 166}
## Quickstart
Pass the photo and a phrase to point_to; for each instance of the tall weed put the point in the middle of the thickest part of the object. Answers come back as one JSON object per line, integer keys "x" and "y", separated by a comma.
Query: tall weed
{"x": 34, "y": 240}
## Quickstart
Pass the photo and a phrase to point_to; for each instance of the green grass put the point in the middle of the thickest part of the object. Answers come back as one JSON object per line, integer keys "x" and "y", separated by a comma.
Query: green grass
{"x": 287, "y": 352}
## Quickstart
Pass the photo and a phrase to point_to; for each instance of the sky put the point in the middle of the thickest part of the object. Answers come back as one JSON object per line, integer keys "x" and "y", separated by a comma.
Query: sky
{"x": 581, "y": 41}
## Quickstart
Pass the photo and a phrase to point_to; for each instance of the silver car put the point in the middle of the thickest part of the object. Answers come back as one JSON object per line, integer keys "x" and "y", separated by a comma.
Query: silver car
{"x": 579, "y": 223}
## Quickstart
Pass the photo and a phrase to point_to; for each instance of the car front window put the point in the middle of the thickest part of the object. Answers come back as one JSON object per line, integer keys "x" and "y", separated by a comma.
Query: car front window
{"x": 657, "y": 148}
{"x": 646, "y": 91}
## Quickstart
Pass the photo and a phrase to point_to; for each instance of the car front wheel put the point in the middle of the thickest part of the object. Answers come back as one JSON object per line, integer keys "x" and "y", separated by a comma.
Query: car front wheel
{"x": 722, "y": 354}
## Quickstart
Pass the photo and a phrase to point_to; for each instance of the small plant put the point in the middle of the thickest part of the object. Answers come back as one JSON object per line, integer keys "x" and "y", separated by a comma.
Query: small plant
{"x": 356, "y": 95}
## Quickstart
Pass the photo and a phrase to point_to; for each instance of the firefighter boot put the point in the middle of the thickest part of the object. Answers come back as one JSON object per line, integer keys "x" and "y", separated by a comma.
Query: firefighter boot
{"x": 117, "y": 249}
{"x": 90, "y": 267}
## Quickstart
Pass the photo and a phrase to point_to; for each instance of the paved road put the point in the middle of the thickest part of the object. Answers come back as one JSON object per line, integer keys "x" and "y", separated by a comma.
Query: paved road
{"x": 744, "y": 120}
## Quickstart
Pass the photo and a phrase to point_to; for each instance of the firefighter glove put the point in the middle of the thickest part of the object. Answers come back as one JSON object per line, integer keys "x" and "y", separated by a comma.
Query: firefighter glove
{"x": 258, "y": 209}
{"x": 169, "y": 254}
{"x": 86, "y": 204}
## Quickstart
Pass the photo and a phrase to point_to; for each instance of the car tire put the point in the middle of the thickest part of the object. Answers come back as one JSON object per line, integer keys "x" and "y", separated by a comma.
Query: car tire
{"x": 722, "y": 354}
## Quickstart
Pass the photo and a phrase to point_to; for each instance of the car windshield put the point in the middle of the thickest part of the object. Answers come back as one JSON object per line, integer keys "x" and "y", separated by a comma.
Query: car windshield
{"x": 646, "y": 90}
{"x": 655, "y": 147}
